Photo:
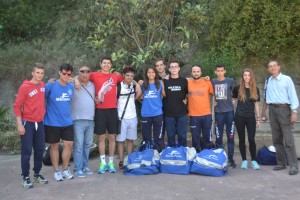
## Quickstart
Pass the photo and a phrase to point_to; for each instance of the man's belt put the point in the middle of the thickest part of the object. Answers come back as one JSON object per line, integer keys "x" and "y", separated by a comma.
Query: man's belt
{"x": 279, "y": 105}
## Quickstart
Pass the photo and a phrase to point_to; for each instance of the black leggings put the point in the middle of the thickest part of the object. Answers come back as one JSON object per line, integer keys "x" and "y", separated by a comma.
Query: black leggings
{"x": 250, "y": 124}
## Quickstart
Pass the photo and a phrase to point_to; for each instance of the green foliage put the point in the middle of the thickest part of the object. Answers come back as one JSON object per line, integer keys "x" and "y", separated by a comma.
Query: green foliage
{"x": 259, "y": 29}
{"x": 145, "y": 30}
{"x": 208, "y": 60}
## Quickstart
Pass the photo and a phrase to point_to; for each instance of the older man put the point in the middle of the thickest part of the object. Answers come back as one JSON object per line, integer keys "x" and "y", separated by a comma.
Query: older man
{"x": 83, "y": 122}
{"x": 282, "y": 100}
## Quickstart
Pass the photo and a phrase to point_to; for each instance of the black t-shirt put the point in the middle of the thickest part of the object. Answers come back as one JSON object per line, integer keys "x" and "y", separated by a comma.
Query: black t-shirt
{"x": 176, "y": 90}
{"x": 247, "y": 108}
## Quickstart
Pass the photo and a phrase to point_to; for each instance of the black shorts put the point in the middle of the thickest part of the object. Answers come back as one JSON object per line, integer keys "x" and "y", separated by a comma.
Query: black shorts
{"x": 106, "y": 120}
{"x": 53, "y": 134}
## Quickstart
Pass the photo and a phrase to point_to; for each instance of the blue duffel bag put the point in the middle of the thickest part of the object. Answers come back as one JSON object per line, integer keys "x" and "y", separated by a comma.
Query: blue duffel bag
{"x": 210, "y": 162}
{"x": 177, "y": 160}
{"x": 145, "y": 162}
{"x": 266, "y": 156}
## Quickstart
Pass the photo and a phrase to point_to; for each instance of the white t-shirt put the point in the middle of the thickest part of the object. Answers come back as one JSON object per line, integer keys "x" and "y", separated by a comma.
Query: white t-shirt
{"x": 130, "y": 111}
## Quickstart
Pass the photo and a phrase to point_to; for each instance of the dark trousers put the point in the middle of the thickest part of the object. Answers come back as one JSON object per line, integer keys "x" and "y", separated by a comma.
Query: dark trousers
{"x": 282, "y": 135}
{"x": 225, "y": 118}
{"x": 201, "y": 132}
{"x": 34, "y": 137}
{"x": 177, "y": 126}
{"x": 153, "y": 124}
{"x": 250, "y": 124}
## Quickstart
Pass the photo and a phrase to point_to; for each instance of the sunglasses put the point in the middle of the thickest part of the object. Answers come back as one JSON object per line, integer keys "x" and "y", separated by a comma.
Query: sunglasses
{"x": 129, "y": 75}
{"x": 66, "y": 74}
{"x": 85, "y": 71}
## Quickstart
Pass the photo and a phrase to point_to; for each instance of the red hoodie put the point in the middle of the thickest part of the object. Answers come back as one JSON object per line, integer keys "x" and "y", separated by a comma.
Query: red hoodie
{"x": 30, "y": 102}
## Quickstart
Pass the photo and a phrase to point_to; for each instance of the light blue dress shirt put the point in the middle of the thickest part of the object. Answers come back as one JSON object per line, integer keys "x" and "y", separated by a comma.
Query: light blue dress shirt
{"x": 281, "y": 90}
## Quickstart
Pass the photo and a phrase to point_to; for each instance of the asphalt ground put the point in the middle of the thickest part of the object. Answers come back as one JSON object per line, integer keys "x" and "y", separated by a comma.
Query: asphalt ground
{"x": 238, "y": 184}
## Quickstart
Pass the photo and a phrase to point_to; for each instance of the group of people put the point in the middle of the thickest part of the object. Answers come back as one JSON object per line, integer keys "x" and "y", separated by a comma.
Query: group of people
{"x": 95, "y": 102}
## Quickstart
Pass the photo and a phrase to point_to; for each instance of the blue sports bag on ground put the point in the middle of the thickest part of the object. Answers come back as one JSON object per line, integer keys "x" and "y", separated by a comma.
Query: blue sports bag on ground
{"x": 266, "y": 157}
{"x": 177, "y": 160}
{"x": 210, "y": 162}
{"x": 143, "y": 162}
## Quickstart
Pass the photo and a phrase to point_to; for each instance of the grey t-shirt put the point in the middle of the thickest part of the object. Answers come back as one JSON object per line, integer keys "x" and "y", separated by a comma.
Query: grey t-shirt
{"x": 223, "y": 94}
{"x": 83, "y": 105}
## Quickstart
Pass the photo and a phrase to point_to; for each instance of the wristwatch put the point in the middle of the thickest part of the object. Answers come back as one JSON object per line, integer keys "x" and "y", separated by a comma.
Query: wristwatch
{"x": 295, "y": 111}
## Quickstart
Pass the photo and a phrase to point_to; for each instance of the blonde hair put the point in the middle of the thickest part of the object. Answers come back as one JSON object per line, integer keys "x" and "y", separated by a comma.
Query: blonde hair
{"x": 252, "y": 86}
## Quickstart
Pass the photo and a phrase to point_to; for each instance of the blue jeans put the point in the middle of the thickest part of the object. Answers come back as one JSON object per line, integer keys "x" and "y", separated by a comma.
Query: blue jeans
{"x": 83, "y": 138}
{"x": 34, "y": 137}
{"x": 177, "y": 125}
{"x": 228, "y": 119}
{"x": 201, "y": 132}
{"x": 154, "y": 124}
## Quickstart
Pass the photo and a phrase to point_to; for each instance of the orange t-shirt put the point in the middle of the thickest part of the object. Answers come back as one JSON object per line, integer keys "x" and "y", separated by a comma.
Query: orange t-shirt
{"x": 199, "y": 97}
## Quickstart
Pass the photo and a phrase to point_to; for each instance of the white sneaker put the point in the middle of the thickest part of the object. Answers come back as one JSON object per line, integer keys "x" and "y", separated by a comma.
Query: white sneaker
{"x": 58, "y": 176}
{"x": 67, "y": 174}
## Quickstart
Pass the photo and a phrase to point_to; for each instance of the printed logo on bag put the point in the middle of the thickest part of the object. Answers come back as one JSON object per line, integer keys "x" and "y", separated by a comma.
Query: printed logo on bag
{"x": 211, "y": 157}
{"x": 174, "y": 153}
{"x": 138, "y": 159}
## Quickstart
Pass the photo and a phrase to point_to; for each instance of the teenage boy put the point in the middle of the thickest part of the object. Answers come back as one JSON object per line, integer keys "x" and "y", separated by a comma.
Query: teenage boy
{"x": 176, "y": 89}
{"x": 199, "y": 95}
{"x": 83, "y": 120}
{"x": 127, "y": 92}
{"x": 29, "y": 109}
{"x": 224, "y": 114}
{"x": 58, "y": 121}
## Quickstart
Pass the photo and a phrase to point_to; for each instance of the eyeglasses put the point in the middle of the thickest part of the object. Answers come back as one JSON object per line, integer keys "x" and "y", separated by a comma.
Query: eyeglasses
{"x": 85, "y": 71}
{"x": 129, "y": 75}
{"x": 66, "y": 74}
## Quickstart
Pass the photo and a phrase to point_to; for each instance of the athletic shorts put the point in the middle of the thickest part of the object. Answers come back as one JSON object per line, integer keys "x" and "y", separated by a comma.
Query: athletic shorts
{"x": 53, "y": 134}
{"x": 128, "y": 130}
{"x": 106, "y": 121}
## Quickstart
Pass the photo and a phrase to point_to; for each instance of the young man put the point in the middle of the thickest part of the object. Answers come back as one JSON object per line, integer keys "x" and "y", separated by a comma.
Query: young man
{"x": 176, "y": 89}
{"x": 58, "y": 121}
{"x": 29, "y": 109}
{"x": 83, "y": 110}
{"x": 106, "y": 115}
{"x": 224, "y": 113}
{"x": 281, "y": 97}
{"x": 127, "y": 89}
{"x": 199, "y": 95}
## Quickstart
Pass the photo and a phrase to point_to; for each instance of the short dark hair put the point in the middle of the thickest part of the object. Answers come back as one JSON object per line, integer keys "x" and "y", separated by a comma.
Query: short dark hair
{"x": 175, "y": 61}
{"x": 66, "y": 67}
{"x": 160, "y": 59}
{"x": 106, "y": 58}
{"x": 128, "y": 69}
{"x": 220, "y": 65}
{"x": 273, "y": 60}
{"x": 197, "y": 66}
{"x": 37, "y": 66}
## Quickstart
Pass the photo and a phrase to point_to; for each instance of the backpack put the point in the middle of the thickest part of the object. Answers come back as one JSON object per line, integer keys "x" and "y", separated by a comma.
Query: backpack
{"x": 266, "y": 157}
{"x": 210, "y": 162}
{"x": 177, "y": 160}
{"x": 119, "y": 90}
{"x": 47, "y": 158}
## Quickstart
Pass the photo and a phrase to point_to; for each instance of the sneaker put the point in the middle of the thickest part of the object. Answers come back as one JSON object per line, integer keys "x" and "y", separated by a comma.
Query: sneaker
{"x": 244, "y": 164}
{"x": 67, "y": 174}
{"x": 111, "y": 168}
{"x": 79, "y": 174}
{"x": 27, "y": 183}
{"x": 88, "y": 171}
{"x": 279, "y": 167}
{"x": 40, "y": 179}
{"x": 121, "y": 165}
{"x": 231, "y": 163}
{"x": 102, "y": 168}
{"x": 58, "y": 176}
{"x": 255, "y": 165}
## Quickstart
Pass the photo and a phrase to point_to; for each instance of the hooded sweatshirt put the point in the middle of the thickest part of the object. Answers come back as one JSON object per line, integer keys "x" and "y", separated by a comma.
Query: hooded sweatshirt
{"x": 30, "y": 102}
